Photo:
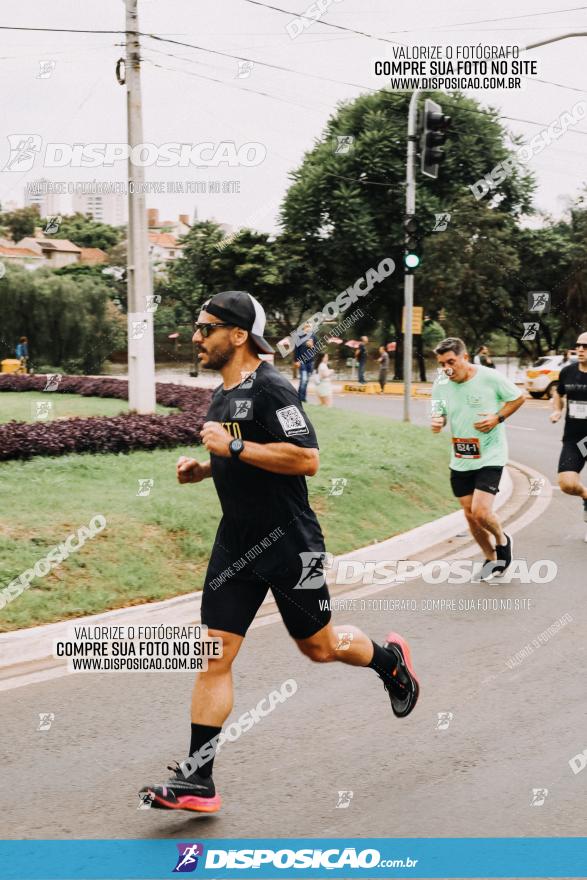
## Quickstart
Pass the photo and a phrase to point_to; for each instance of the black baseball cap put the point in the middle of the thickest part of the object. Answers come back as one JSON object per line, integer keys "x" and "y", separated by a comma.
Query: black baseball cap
{"x": 239, "y": 308}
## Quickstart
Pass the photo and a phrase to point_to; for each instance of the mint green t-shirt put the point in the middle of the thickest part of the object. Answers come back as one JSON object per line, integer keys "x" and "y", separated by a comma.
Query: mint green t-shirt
{"x": 463, "y": 403}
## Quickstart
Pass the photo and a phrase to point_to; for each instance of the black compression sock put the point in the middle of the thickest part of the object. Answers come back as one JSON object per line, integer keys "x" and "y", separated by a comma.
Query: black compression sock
{"x": 201, "y": 734}
{"x": 383, "y": 662}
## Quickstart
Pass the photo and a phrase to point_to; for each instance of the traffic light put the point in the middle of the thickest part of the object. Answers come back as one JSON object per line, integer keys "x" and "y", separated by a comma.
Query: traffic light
{"x": 434, "y": 128}
{"x": 411, "y": 243}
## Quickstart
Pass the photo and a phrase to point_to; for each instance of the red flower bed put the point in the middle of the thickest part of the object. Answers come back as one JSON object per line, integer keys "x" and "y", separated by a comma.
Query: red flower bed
{"x": 103, "y": 433}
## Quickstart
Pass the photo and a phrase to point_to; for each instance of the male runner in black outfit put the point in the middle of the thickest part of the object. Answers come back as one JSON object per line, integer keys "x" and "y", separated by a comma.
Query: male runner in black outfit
{"x": 572, "y": 384}
{"x": 261, "y": 447}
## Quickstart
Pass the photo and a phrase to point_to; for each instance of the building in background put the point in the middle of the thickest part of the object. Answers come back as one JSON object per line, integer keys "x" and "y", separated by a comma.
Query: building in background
{"x": 163, "y": 248}
{"x": 48, "y": 204}
{"x": 164, "y": 235}
{"x": 108, "y": 208}
{"x": 17, "y": 255}
{"x": 93, "y": 256}
{"x": 56, "y": 252}
{"x": 178, "y": 227}
{"x": 10, "y": 206}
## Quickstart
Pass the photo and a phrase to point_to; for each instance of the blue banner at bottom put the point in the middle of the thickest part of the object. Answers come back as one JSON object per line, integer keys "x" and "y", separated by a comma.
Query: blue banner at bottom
{"x": 510, "y": 857}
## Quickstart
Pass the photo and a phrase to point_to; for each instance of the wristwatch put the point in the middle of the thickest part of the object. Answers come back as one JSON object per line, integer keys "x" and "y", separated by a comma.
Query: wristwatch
{"x": 501, "y": 419}
{"x": 236, "y": 447}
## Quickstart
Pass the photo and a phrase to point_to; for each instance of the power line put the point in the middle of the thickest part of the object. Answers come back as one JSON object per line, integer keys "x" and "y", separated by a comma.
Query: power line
{"x": 230, "y": 85}
{"x": 559, "y": 85}
{"x": 338, "y": 27}
{"x": 4, "y": 27}
{"x": 512, "y": 118}
{"x": 255, "y": 61}
{"x": 487, "y": 20}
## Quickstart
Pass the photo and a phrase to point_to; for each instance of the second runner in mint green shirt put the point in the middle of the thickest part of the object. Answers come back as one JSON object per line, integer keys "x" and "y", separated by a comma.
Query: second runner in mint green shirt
{"x": 463, "y": 404}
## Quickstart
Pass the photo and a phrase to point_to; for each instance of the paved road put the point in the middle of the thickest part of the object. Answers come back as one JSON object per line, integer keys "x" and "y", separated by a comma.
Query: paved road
{"x": 512, "y": 730}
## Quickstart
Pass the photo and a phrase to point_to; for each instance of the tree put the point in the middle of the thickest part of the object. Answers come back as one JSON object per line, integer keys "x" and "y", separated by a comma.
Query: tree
{"x": 69, "y": 321}
{"x": 20, "y": 223}
{"x": 84, "y": 231}
{"x": 474, "y": 294}
{"x": 210, "y": 264}
{"x": 351, "y": 205}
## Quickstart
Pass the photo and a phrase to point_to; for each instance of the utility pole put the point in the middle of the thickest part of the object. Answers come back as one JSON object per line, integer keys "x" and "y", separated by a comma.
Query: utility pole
{"x": 408, "y": 276}
{"x": 141, "y": 356}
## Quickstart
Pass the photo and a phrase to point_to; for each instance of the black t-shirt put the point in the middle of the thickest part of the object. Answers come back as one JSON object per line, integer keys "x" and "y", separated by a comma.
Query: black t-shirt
{"x": 263, "y": 409}
{"x": 573, "y": 383}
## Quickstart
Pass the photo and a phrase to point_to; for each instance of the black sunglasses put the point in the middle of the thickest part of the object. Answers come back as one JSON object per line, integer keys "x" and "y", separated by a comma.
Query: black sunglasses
{"x": 581, "y": 345}
{"x": 205, "y": 328}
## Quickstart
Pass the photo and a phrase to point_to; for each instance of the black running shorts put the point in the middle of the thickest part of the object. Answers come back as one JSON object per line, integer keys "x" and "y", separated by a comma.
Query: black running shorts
{"x": 240, "y": 574}
{"x": 486, "y": 479}
{"x": 571, "y": 458}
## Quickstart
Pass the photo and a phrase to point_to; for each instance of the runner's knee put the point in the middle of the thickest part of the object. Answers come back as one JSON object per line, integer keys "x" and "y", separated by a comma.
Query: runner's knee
{"x": 318, "y": 652}
{"x": 484, "y": 518}
{"x": 569, "y": 484}
{"x": 230, "y": 646}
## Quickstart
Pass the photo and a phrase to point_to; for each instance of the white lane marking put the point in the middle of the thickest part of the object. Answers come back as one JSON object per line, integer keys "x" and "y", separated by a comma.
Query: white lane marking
{"x": 520, "y": 428}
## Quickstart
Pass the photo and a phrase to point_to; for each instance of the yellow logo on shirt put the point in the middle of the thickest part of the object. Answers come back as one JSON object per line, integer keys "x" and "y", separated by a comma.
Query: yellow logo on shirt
{"x": 234, "y": 429}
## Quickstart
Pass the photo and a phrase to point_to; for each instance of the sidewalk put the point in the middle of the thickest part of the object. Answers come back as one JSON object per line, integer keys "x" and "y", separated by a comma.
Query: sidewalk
{"x": 26, "y": 656}
{"x": 211, "y": 379}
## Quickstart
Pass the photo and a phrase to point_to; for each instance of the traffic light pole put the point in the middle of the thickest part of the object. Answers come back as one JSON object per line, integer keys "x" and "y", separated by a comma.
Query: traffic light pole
{"x": 408, "y": 276}
{"x": 141, "y": 358}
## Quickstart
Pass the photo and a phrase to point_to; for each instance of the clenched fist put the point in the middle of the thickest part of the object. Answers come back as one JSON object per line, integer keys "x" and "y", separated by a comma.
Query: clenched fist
{"x": 189, "y": 470}
{"x": 216, "y": 439}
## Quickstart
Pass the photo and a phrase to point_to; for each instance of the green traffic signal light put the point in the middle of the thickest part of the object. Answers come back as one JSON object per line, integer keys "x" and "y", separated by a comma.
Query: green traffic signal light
{"x": 412, "y": 261}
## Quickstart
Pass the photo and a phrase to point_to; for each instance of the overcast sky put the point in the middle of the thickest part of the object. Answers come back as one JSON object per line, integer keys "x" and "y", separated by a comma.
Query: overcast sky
{"x": 82, "y": 102}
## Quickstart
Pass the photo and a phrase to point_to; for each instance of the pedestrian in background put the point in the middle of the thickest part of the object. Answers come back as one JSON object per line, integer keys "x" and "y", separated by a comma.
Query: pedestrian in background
{"x": 483, "y": 358}
{"x": 321, "y": 376}
{"x": 22, "y": 353}
{"x": 383, "y": 366}
{"x": 304, "y": 357}
{"x": 362, "y": 358}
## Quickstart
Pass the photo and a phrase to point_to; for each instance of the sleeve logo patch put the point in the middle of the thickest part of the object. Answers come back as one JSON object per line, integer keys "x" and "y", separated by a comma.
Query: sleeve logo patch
{"x": 292, "y": 421}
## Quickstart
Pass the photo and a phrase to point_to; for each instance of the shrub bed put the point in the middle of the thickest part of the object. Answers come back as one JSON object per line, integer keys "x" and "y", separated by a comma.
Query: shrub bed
{"x": 102, "y": 433}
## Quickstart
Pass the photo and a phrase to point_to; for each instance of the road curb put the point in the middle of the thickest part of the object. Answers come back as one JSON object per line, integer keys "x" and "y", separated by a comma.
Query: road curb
{"x": 35, "y": 644}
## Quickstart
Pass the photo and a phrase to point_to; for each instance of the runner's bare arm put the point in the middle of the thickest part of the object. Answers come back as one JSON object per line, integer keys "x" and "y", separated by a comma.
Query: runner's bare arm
{"x": 511, "y": 406}
{"x": 557, "y": 406}
{"x": 282, "y": 458}
{"x": 492, "y": 419}
{"x": 278, "y": 458}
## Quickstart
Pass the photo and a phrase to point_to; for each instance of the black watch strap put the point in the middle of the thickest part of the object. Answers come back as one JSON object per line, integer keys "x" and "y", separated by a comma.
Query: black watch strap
{"x": 236, "y": 446}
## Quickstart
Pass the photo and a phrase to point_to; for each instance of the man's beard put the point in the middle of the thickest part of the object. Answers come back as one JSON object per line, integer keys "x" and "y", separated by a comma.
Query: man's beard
{"x": 219, "y": 358}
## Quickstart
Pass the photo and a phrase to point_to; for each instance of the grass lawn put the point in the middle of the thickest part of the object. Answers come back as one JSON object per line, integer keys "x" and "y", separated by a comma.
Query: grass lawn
{"x": 21, "y": 406}
{"x": 157, "y": 546}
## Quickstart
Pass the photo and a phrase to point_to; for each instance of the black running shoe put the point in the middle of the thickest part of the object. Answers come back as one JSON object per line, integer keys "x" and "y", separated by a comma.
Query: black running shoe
{"x": 585, "y": 509}
{"x": 486, "y": 570}
{"x": 404, "y": 689}
{"x": 504, "y": 553}
{"x": 195, "y": 793}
